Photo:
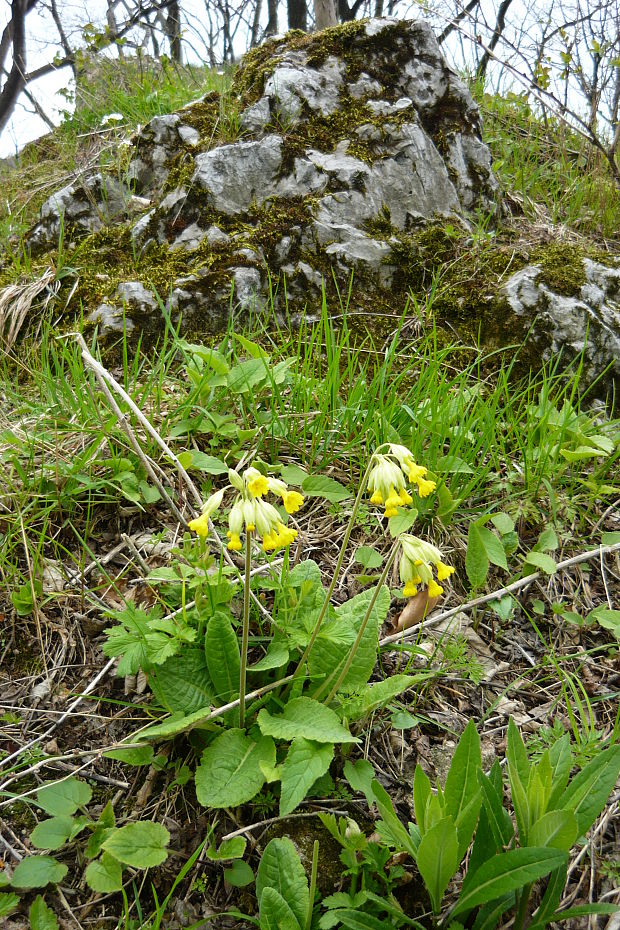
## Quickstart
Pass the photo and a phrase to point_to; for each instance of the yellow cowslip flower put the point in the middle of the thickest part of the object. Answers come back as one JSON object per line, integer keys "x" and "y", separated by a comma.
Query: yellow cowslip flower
{"x": 200, "y": 525}
{"x": 386, "y": 481}
{"x": 257, "y": 484}
{"x": 425, "y": 487}
{"x": 280, "y": 537}
{"x": 234, "y": 543}
{"x": 418, "y": 560}
{"x": 292, "y": 501}
{"x": 444, "y": 571}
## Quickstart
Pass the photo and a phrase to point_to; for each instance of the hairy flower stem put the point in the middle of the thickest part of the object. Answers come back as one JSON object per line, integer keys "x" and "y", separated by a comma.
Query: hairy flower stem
{"x": 313, "y": 875}
{"x": 246, "y": 627}
{"x": 349, "y": 660}
{"x": 330, "y": 591}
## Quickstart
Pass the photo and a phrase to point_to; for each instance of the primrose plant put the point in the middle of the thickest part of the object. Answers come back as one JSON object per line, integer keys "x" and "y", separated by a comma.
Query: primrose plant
{"x": 277, "y": 717}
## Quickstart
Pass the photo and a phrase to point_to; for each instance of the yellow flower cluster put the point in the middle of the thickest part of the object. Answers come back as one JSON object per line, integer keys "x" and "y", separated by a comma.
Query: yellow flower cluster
{"x": 417, "y": 561}
{"x": 387, "y": 483}
{"x": 250, "y": 512}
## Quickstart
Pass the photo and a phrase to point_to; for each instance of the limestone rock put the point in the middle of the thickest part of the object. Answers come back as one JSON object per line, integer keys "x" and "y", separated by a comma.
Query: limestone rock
{"x": 566, "y": 324}
{"x": 84, "y": 206}
{"x": 349, "y": 140}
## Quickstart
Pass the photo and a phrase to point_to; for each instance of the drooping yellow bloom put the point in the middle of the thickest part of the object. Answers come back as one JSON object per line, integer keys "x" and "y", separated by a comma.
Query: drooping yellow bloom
{"x": 257, "y": 484}
{"x": 234, "y": 543}
{"x": 200, "y": 525}
{"x": 418, "y": 561}
{"x": 292, "y": 501}
{"x": 250, "y": 512}
{"x": 389, "y": 472}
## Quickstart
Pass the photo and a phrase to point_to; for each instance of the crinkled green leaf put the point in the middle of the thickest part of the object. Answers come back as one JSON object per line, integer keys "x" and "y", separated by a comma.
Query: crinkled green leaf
{"x": 8, "y": 903}
{"x": 275, "y": 913}
{"x": 229, "y": 772}
{"x": 183, "y": 683}
{"x": 305, "y": 762}
{"x": 378, "y": 694}
{"x": 223, "y": 658}
{"x": 280, "y": 870}
{"x": 307, "y": 718}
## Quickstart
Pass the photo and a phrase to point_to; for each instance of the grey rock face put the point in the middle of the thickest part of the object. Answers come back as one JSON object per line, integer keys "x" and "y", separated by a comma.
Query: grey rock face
{"x": 348, "y": 139}
{"x": 567, "y": 324}
{"x": 82, "y": 207}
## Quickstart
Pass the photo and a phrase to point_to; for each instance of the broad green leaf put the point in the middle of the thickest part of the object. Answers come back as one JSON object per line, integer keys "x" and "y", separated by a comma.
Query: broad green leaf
{"x": 280, "y": 870}
{"x": 275, "y": 913}
{"x": 307, "y": 718}
{"x": 461, "y": 792}
{"x": 140, "y": 755}
{"x": 547, "y": 541}
{"x": 581, "y": 453}
{"x": 247, "y": 375}
{"x": 252, "y": 348}
{"x": 41, "y": 916}
{"x": 556, "y": 829}
{"x": 105, "y": 874}
{"x": 402, "y": 522}
{"x": 503, "y": 523}
{"x": 360, "y": 775}
{"x": 239, "y": 874}
{"x": 607, "y": 617}
{"x": 368, "y": 557}
{"x": 328, "y": 488}
{"x": 358, "y": 920}
{"x": 55, "y": 832}
{"x": 223, "y": 660}
{"x": 493, "y": 547}
{"x": 338, "y": 634}
{"x": 518, "y": 774}
{"x": 8, "y": 903}
{"x": 542, "y": 561}
{"x": 37, "y": 872}
{"x": 206, "y": 463}
{"x": 610, "y": 539}
{"x": 277, "y": 655}
{"x": 229, "y": 772}
{"x": 488, "y": 916}
{"x": 183, "y": 682}
{"x": 476, "y": 558}
{"x": 293, "y": 474}
{"x": 507, "y": 872}
{"x": 141, "y": 845}
{"x": 377, "y": 695}
{"x": 588, "y": 791}
{"x": 305, "y": 762}
{"x": 64, "y": 797}
{"x": 438, "y": 859}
